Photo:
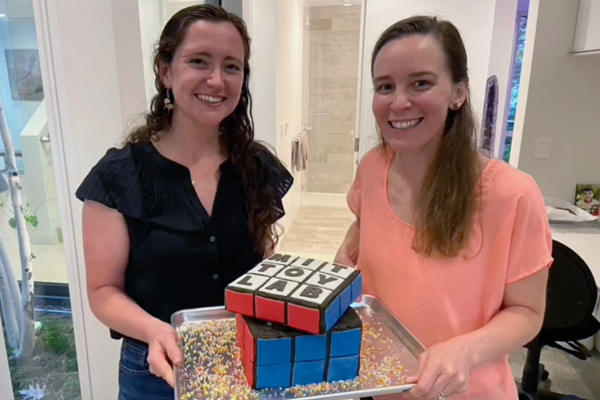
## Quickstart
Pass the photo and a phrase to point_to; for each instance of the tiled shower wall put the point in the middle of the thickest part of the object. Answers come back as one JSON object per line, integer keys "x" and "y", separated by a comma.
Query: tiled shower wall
{"x": 333, "y": 80}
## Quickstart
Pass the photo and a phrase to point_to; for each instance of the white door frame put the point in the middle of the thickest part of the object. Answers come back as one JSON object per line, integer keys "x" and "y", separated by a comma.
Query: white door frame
{"x": 45, "y": 24}
{"x": 359, "y": 85}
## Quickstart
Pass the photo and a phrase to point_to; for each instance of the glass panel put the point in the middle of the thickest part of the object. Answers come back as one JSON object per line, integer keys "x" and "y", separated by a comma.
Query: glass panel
{"x": 514, "y": 93}
{"x": 333, "y": 41}
{"x": 40, "y": 347}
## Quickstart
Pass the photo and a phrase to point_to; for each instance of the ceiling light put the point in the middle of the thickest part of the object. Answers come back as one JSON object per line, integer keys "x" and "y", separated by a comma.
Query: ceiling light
{"x": 2, "y": 15}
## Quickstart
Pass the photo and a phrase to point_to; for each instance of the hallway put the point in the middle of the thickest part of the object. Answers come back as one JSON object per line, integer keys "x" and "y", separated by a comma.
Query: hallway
{"x": 317, "y": 232}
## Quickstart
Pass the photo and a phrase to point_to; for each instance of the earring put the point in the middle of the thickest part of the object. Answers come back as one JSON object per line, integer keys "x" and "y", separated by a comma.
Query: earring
{"x": 454, "y": 107}
{"x": 168, "y": 105}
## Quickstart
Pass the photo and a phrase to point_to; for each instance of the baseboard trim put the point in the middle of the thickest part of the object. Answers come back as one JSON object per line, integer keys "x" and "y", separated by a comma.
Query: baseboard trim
{"x": 313, "y": 199}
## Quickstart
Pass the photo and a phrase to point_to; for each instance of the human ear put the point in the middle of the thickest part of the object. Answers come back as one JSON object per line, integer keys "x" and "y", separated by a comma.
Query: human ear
{"x": 164, "y": 72}
{"x": 459, "y": 95}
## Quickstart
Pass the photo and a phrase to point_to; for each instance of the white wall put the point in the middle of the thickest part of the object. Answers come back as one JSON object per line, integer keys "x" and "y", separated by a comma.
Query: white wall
{"x": 263, "y": 60}
{"x": 289, "y": 75}
{"x": 151, "y": 24}
{"x": 561, "y": 99}
{"x": 275, "y": 27}
{"x": 130, "y": 62}
{"x": 503, "y": 38}
{"x": 474, "y": 19}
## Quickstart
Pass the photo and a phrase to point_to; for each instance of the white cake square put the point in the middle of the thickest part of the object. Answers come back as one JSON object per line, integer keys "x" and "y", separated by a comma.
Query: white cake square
{"x": 312, "y": 294}
{"x": 278, "y": 287}
{"x": 249, "y": 281}
{"x": 327, "y": 281}
{"x": 295, "y": 274}
{"x": 337, "y": 270}
{"x": 283, "y": 259}
{"x": 267, "y": 269}
{"x": 308, "y": 263}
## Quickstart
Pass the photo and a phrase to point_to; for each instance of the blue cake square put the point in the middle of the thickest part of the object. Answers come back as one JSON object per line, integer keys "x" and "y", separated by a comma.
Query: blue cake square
{"x": 345, "y": 299}
{"x": 273, "y": 376}
{"x": 274, "y": 351}
{"x": 307, "y": 372}
{"x": 357, "y": 287}
{"x": 332, "y": 314}
{"x": 310, "y": 348}
{"x": 343, "y": 368}
{"x": 345, "y": 343}
{"x": 277, "y": 356}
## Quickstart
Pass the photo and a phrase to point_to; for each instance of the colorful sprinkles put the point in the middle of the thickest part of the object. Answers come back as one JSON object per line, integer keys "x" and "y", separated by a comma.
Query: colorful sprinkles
{"x": 213, "y": 368}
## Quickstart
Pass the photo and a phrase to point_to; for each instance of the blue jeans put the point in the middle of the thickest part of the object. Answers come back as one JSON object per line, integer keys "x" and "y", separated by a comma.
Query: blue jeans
{"x": 136, "y": 382}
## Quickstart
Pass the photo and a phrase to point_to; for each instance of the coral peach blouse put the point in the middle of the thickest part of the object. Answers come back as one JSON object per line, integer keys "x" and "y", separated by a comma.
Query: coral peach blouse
{"x": 439, "y": 299}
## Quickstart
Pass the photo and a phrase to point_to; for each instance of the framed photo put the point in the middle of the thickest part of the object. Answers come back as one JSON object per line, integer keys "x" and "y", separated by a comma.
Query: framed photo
{"x": 588, "y": 198}
{"x": 24, "y": 74}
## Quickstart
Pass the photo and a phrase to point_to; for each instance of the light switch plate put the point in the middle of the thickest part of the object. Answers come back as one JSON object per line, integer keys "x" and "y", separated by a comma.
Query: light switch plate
{"x": 543, "y": 147}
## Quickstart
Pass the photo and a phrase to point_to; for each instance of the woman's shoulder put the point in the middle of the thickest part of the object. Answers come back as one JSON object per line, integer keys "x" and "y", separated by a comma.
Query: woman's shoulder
{"x": 377, "y": 157}
{"x": 114, "y": 159}
{"x": 506, "y": 184}
{"x": 114, "y": 181}
{"x": 271, "y": 168}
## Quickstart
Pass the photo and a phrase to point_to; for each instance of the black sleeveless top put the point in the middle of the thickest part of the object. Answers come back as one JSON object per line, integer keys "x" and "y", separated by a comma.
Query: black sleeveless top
{"x": 180, "y": 257}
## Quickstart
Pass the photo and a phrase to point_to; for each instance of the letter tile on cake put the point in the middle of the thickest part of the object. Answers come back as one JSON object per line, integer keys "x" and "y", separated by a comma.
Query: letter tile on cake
{"x": 303, "y": 293}
{"x": 275, "y": 356}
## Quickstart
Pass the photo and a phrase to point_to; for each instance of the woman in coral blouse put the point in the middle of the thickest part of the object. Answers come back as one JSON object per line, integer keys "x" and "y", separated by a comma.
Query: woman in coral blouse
{"x": 455, "y": 244}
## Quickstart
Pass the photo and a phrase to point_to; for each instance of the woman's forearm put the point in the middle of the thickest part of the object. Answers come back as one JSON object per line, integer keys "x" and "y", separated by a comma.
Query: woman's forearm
{"x": 117, "y": 311}
{"x": 517, "y": 323}
{"x": 348, "y": 251}
{"x": 508, "y": 331}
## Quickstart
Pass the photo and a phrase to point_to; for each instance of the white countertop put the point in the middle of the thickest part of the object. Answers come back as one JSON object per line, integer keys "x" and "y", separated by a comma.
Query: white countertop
{"x": 583, "y": 240}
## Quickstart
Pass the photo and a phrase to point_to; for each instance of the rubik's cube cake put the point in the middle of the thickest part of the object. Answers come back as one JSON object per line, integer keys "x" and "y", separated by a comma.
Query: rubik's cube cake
{"x": 278, "y": 356}
{"x": 294, "y": 322}
{"x": 305, "y": 294}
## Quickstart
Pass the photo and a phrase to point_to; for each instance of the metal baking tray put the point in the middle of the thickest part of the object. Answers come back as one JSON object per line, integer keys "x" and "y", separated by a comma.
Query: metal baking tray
{"x": 389, "y": 354}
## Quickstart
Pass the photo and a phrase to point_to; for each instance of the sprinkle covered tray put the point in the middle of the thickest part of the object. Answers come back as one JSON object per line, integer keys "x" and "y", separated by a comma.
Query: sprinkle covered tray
{"x": 213, "y": 367}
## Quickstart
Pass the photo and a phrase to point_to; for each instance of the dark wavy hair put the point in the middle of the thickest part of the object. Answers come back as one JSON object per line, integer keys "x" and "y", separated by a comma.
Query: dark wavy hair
{"x": 449, "y": 193}
{"x": 236, "y": 131}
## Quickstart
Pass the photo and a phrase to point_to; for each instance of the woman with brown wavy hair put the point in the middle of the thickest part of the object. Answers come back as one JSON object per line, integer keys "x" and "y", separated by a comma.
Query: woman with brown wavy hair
{"x": 455, "y": 244}
{"x": 187, "y": 205}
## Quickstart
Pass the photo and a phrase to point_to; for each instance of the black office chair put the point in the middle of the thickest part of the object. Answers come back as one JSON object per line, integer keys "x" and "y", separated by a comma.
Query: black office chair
{"x": 571, "y": 299}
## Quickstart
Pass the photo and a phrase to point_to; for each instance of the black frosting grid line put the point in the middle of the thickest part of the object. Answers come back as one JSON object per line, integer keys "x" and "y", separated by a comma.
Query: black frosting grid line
{"x": 293, "y": 359}
{"x": 327, "y": 356}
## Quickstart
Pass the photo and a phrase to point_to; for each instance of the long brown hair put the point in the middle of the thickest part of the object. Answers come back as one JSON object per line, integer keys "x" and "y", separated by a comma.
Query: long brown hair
{"x": 448, "y": 197}
{"x": 236, "y": 131}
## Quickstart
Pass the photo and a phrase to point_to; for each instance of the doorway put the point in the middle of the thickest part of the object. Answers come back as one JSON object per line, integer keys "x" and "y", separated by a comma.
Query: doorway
{"x": 332, "y": 46}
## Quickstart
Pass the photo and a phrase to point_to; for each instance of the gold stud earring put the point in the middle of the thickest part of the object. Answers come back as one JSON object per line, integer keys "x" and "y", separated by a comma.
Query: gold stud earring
{"x": 168, "y": 105}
